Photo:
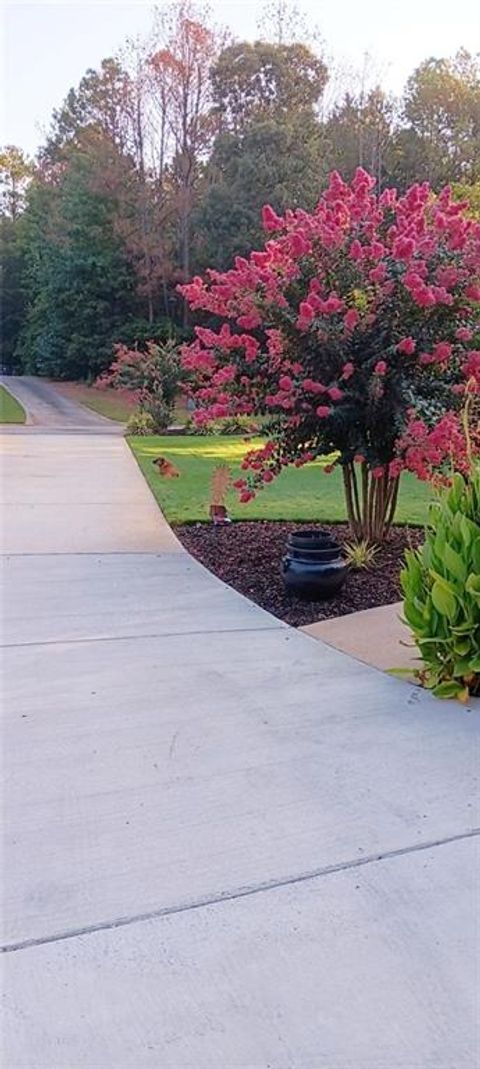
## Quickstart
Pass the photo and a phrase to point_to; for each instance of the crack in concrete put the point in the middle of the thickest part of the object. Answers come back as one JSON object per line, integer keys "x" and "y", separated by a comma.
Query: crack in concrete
{"x": 239, "y": 893}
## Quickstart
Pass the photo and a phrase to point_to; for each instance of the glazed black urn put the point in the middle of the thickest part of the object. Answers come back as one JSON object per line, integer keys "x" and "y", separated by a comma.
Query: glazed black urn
{"x": 313, "y": 566}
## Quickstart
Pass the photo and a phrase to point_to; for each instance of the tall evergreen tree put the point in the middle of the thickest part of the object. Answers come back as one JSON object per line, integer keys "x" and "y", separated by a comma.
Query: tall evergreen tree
{"x": 80, "y": 285}
{"x": 15, "y": 174}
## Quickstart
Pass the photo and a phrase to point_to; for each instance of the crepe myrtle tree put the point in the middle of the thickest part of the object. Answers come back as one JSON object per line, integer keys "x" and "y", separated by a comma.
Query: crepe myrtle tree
{"x": 153, "y": 376}
{"x": 354, "y": 330}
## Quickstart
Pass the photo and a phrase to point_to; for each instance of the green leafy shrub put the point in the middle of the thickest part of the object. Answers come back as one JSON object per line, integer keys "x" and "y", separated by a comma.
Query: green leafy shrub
{"x": 230, "y": 425}
{"x": 141, "y": 423}
{"x": 441, "y": 584}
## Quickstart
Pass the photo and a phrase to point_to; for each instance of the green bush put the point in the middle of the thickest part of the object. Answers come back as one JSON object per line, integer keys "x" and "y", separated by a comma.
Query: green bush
{"x": 141, "y": 423}
{"x": 135, "y": 333}
{"x": 441, "y": 583}
{"x": 230, "y": 425}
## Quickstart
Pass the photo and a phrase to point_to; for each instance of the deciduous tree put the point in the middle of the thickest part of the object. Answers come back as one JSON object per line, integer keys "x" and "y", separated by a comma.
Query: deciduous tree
{"x": 264, "y": 81}
{"x": 353, "y": 329}
{"x": 441, "y": 111}
{"x": 181, "y": 70}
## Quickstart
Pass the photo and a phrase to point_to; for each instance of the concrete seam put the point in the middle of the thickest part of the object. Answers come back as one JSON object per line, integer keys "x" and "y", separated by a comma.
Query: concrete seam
{"x": 239, "y": 893}
{"x": 139, "y": 638}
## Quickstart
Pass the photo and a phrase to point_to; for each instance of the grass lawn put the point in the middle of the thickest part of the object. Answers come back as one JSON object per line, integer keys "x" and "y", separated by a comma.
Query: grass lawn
{"x": 11, "y": 411}
{"x": 298, "y": 494}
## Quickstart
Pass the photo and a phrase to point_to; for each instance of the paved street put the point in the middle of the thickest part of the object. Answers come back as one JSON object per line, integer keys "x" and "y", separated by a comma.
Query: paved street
{"x": 227, "y": 845}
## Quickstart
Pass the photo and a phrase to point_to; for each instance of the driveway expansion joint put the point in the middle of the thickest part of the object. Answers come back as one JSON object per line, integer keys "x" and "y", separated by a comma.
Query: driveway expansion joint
{"x": 239, "y": 893}
{"x": 140, "y": 638}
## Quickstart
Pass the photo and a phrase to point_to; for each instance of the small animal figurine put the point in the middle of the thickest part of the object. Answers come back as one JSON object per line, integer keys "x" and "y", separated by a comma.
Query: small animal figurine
{"x": 220, "y": 485}
{"x": 166, "y": 468}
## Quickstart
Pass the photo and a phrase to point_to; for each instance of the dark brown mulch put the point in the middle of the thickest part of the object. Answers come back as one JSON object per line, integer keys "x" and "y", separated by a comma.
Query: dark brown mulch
{"x": 248, "y": 557}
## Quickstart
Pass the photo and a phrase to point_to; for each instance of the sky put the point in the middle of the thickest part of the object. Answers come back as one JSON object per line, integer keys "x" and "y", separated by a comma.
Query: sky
{"x": 46, "y": 47}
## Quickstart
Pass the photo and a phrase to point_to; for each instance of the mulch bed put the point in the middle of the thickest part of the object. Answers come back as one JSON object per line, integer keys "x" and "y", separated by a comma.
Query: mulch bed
{"x": 248, "y": 557}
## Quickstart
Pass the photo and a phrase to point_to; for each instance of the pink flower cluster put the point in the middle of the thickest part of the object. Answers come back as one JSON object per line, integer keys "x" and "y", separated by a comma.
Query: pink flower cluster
{"x": 428, "y": 451}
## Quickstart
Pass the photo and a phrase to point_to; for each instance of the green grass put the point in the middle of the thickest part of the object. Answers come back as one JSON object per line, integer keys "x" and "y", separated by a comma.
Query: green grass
{"x": 298, "y": 494}
{"x": 109, "y": 403}
{"x": 11, "y": 411}
{"x": 105, "y": 405}
{"x": 113, "y": 406}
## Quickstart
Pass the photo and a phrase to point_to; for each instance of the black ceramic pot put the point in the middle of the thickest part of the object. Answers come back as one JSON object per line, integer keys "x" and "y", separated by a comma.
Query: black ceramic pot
{"x": 313, "y": 566}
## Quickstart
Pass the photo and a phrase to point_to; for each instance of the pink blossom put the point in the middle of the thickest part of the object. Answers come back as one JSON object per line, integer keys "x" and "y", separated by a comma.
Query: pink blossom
{"x": 285, "y": 383}
{"x": 381, "y": 368}
{"x": 424, "y": 296}
{"x": 270, "y": 219}
{"x": 442, "y": 350}
{"x": 322, "y": 411}
{"x": 407, "y": 346}
{"x": 464, "y": 334}
{"x": 347, "y": 371}
{"x": 356, "y": 251}
{"x": 311, "y": 386}
{"x": 249, "y": 322}
{"x": 378, "y": 273}
{"x": 351, "y": 319}
{"x": 335, "y": 394}
{"x": 299, "y": 244}
{"x": 403, "y": 248}
{"x": 332, "y": 304}
{"x": 306, "y": 314}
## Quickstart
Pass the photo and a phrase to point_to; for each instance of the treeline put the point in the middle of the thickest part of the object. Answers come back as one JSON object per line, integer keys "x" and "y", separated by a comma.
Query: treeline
{"x": 157, "y": 166}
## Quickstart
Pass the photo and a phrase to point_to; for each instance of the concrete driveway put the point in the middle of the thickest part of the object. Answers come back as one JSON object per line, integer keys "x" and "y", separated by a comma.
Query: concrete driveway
{"x": 46, "y": 408}
{"x": 227, "y": 845}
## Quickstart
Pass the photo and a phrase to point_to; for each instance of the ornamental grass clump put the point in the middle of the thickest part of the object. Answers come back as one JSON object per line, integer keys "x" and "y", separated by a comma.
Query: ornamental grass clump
{"x": 353, "y": 331}
{"x": 441, "y": 584}
{"x": 361, "y": 555}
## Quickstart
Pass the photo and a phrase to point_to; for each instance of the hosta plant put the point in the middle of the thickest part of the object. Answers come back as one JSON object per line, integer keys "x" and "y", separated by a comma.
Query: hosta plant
{"x": 441, "y": 584}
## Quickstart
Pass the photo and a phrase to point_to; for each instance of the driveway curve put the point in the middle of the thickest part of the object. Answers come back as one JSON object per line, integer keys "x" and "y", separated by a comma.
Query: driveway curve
{"x": 227, "y": 845}
{"x": 48, "y": 410}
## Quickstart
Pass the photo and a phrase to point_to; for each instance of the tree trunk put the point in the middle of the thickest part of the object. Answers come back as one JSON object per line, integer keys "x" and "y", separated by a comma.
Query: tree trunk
{"x": 371, "y": 502}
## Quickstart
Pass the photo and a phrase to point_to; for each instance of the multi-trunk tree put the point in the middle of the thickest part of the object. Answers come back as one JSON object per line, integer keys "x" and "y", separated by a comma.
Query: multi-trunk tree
{"x": 353, "y": 330}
